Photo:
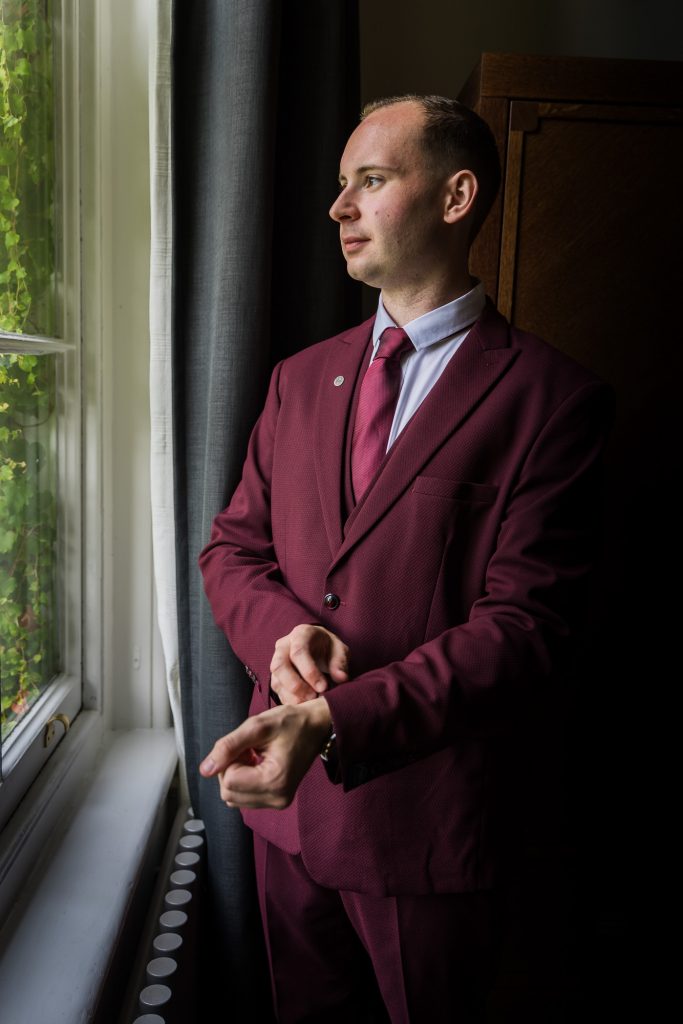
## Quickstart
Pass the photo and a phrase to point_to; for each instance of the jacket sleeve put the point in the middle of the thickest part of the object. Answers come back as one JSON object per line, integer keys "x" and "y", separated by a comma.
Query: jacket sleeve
{"x": 242, "y": 579}
{"x": 476, "y": 677}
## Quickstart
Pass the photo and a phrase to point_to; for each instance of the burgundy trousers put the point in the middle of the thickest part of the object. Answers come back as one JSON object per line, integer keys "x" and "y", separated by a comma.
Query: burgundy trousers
{"x": 346, "y": 956}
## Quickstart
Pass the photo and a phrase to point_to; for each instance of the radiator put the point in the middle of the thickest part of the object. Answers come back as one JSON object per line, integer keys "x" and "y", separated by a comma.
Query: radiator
{"x": 162, "y": 986}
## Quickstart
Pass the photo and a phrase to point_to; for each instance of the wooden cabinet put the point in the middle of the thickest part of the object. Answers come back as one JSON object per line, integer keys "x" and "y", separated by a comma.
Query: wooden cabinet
{"x": 590, "y": 207}
{"x": 584, "y": 248}
{"x": 584, "y": 243}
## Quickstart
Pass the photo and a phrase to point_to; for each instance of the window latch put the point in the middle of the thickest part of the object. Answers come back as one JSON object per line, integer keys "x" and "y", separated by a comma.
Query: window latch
{"x": 49, "y": 733}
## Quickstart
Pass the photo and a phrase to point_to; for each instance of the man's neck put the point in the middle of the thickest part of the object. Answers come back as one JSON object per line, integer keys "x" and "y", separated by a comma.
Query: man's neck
{"x": 407, "y": 304}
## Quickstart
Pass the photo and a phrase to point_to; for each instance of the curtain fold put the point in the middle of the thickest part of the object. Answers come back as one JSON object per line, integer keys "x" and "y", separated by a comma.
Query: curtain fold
{"x": 264, "y": 95}
{"x": 160, "y": 377}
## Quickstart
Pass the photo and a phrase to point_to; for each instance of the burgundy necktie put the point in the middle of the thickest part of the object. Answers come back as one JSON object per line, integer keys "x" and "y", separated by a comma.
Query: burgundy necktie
{"x": 376, "y": 405}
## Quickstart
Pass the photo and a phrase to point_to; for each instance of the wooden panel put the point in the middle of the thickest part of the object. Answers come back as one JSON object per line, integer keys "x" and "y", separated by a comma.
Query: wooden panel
{"x": 523, "y": 118}
{"x": 599, "y": 227}
{"x": 514, "y": 76}
{"x": 508, "y": 242}
{"x": 485, "y": 250}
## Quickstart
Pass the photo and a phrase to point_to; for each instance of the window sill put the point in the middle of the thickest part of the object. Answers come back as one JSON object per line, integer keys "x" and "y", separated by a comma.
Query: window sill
{"x": 99, "y": 808}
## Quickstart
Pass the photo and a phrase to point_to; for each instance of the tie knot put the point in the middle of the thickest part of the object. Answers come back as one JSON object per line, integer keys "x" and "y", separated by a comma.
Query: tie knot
{"x": 393, "y": 343}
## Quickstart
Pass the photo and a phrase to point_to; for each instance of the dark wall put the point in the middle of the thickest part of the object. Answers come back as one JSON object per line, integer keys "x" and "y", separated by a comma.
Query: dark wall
{"x": 432, "y": 46}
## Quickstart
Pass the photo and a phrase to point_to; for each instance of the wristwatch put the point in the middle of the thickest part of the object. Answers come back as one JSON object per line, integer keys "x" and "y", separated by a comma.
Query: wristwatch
{"x": 328, "y": 746}
{"x": 330, "y": 758}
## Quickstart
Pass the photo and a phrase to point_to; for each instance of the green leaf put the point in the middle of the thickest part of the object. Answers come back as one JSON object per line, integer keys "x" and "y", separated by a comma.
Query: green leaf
{"x": 7, "y": 540}
{"x": 28, "y": 507}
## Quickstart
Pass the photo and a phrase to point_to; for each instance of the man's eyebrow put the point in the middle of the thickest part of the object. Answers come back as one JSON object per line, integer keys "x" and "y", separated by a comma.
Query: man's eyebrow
{"x": 370, "y": 167}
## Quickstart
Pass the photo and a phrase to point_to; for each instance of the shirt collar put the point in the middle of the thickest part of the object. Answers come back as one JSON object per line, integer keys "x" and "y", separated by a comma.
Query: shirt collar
{"x": 438, "y": 324}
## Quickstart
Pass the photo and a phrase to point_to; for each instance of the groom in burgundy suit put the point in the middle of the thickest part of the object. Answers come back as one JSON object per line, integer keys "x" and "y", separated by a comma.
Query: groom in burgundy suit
{"x": 400, "y": 570}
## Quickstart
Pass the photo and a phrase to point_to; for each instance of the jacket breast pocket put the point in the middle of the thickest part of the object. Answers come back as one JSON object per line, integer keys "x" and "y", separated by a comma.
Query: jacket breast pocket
{"x": 455, "y": 490}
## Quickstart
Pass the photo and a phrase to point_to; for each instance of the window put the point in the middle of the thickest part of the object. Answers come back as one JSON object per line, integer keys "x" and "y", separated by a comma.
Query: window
{"x": 39, "y": 394}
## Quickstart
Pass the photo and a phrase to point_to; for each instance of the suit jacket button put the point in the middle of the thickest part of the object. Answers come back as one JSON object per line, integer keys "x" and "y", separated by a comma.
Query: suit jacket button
{"x": 331, "y": 601}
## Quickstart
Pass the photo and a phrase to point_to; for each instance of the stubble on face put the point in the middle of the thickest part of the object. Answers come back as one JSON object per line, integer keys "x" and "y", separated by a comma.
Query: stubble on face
{"x": 397, "y": 220}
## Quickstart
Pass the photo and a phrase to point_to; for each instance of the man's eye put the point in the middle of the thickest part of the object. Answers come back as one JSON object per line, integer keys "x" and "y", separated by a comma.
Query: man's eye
{"x": 372, "y": 179}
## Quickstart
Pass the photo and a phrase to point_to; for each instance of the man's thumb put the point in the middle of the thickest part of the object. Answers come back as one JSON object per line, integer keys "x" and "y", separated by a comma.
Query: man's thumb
{"x": 224, "y": 752}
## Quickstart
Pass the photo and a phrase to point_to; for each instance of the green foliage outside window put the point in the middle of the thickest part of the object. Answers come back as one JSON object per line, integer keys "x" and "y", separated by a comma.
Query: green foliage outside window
{"x": 28, "y": 519}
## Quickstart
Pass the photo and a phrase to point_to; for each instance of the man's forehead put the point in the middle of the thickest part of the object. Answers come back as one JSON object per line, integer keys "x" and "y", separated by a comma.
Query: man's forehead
{"x": 383, "y": 140}
{"x": 402, "y": 111}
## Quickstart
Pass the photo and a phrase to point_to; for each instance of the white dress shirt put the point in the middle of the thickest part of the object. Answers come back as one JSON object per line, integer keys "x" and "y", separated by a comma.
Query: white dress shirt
{"x": 437, "y": 336}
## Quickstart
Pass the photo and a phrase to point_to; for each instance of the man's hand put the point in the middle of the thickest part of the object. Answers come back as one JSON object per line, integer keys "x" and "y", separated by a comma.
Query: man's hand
{"x": 302, "y": 662}
{"x": 262, "y": 762}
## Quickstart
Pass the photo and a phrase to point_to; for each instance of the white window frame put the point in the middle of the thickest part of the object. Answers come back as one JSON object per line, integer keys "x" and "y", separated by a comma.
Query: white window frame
{"x": 123, "y": 676}
{"x": 25, "y": 751}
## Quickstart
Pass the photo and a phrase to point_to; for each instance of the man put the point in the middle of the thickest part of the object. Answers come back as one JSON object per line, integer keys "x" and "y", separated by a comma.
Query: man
{"x": 399, "y": 570}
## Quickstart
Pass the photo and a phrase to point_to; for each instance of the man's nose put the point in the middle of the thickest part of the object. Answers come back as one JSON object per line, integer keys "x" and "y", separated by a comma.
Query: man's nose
{"x": 343, "y": 208}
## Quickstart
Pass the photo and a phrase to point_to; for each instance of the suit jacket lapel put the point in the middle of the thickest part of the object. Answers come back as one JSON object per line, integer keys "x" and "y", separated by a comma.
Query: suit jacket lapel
{"x": 331, "y": 419}
{"x": 475, "y": 368}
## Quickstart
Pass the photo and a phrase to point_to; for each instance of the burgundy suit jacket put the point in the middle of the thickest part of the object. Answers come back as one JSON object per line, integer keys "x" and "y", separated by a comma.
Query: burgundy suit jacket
{"x": 459, "y": 575}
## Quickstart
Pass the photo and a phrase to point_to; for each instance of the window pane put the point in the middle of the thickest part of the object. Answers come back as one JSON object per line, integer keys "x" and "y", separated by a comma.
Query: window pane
{"x": 29, "y": 648}
{"x": 28, "y": 296}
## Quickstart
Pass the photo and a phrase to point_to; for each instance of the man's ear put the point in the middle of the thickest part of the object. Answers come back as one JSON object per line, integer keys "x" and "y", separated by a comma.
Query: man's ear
{"x": 462, "y": 189}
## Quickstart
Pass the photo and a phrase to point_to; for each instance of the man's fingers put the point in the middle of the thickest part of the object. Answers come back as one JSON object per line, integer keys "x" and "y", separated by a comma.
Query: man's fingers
{"x": 218, "y": 758}
{"x": 259, "y": 786}
{"x": 286, "y": 682}
{"x": 307, "y": 666}
{"x": 269, "y": 755}
{"x": 296, "y": 655}
{"x": 296, "y": 694}
{"x": 339, "y": 660}
{"x": 295, "y": 676}
{"x": 304, "y": 661}
{"x": 237, "y": 745}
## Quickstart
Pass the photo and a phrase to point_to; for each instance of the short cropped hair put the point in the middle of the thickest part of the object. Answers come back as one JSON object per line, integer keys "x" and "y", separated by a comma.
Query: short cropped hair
{"x": 455, "y": 138}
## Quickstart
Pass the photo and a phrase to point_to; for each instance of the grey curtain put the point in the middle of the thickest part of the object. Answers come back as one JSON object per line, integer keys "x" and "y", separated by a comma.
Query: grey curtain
{"x": 264, "y": 95}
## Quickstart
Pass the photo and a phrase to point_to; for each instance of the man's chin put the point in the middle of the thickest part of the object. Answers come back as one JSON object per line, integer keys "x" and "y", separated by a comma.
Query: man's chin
{"x": 361, "y": 273}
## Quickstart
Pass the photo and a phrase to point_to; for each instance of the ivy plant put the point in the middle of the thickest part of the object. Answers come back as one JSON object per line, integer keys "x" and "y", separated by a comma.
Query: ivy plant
{"x": 28, "y": 515}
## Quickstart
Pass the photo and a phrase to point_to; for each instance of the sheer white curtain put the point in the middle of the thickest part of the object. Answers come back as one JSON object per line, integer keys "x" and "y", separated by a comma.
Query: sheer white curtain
{"x": 160, "y": 378}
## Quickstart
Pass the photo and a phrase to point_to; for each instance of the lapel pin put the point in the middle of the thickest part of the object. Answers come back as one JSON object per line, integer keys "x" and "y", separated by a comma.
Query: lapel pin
{"x": 338, "y": 381}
